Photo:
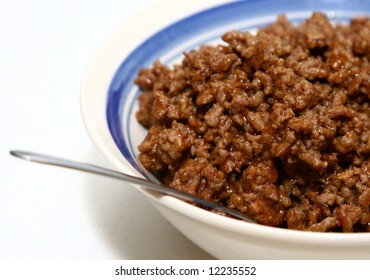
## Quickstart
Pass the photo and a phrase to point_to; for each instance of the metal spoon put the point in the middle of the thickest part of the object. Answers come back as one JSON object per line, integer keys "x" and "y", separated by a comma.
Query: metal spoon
{"x": 51, "y": 160}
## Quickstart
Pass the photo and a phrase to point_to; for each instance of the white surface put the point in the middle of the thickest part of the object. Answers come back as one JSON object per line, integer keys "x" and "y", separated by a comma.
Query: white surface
{"x": 47, "y": 212}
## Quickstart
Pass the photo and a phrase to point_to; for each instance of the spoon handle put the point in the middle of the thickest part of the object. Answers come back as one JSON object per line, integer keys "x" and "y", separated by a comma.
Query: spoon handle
{"x": 51, "y": 160}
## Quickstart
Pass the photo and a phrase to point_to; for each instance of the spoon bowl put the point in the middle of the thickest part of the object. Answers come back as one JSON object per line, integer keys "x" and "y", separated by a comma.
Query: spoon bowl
{"x": 109, "y": 104}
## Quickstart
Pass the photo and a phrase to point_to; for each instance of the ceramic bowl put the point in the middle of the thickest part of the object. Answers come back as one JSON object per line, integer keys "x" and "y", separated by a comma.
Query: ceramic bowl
{"x": 109, "y": 102}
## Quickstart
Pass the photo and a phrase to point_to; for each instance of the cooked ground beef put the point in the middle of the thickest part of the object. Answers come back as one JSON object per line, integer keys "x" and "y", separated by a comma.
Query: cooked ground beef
{"x": 275, "y": 125}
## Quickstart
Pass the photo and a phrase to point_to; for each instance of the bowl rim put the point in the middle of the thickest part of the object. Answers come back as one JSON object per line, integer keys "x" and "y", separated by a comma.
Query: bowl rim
{"x": 96, "y": 80}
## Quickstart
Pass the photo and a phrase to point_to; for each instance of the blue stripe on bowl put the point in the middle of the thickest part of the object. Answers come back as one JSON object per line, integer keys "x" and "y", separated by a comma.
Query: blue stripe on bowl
{"x": 201, "y": 28}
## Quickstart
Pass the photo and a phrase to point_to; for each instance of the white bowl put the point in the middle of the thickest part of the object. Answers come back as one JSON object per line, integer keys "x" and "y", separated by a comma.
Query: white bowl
{"x": 109, "y": 103}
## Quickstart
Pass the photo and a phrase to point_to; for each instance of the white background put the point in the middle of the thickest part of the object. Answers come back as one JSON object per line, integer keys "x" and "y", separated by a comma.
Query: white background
{"x": 53, "y": 213}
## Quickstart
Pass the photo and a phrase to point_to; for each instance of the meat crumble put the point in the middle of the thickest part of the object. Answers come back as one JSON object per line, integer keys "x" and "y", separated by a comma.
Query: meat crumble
{"x": 274, "y": 124}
